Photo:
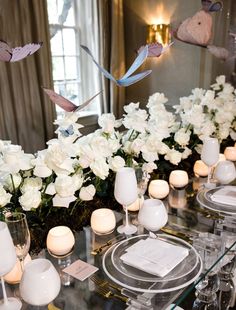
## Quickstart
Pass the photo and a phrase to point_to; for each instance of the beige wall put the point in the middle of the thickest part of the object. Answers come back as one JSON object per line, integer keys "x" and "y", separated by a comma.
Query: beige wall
{"x": 184, "y": 66}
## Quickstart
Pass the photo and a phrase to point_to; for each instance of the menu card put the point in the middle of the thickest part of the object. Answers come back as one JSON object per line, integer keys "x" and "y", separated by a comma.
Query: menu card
{"x": 154, "y": 256}
{"x": 225, "y": 195}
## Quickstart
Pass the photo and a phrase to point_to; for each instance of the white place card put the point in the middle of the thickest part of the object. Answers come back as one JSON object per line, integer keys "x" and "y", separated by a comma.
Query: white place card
{"x": 80, "y": 270}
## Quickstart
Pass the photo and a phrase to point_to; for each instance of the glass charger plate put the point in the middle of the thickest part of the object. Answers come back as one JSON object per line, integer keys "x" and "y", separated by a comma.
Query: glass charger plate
{"x": 209, "y": 204}
{"x": 208, "y": 196}
{"x": 181, "y": 270}
{"x": 157, "y": 285}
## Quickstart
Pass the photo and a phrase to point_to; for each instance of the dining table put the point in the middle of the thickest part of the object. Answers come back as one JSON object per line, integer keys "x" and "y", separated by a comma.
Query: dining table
{"x": 187, "y": 218}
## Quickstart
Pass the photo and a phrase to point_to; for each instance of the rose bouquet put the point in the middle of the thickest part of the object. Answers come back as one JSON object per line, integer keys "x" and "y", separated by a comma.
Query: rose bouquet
{"x": 76, "y": 172}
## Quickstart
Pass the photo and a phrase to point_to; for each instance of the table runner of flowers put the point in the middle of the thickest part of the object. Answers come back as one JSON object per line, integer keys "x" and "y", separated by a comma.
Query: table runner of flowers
{"x": 76, "y": 172}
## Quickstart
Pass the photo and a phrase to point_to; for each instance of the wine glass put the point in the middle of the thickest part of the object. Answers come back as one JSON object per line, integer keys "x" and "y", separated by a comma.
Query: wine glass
{"x": 18, "y": 227}
{"x": 7, "y": 262}
{"x": 210, "y": 154}
{"x": 40, "y": 282}
{"x": 126, "y": 192}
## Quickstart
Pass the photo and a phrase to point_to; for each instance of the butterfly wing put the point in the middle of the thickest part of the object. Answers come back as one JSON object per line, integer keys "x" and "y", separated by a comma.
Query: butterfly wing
{"x": 19, "y": 53}
{"x": 62, "y": 102}
{"x": 5, "y": 51}
{"x": 134, "y": 78}
{"x": 219, "y": 52}
{"x": 215, "y": 7}
{"x": 67, "y": 132}
{"x": 139, "y": 60}
{"x": 105, "y": 72}
{"x": 83, "y": 105}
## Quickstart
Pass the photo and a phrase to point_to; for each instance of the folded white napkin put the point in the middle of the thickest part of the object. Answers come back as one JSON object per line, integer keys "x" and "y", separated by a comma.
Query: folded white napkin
{"x": 225, "y": 195}
{"x": 154, "y": 256}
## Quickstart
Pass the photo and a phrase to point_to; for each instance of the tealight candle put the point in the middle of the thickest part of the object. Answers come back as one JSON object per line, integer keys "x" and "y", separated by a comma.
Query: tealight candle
{"x": 230, "y": 153}
{"x": 103, "y": 221}
{"x": 135, "y": 206}
{"x": 158, "y": 189}
{"x": 14, "y": 276}
{"x": 178, "y": 178}
{"x": 60, "y": 240}
{"x": 200, "y": 169}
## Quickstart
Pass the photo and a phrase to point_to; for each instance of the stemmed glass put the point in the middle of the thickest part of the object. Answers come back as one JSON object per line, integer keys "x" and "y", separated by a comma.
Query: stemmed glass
{"x": 126, "y": 192}
{"x": 7, "y": 262}
{"x": 210, "y": 154}
{"x": 18, "y": 227}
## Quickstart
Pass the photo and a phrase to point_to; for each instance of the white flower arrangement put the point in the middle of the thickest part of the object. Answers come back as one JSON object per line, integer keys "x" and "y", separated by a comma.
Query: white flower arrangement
{"x": 69, "y": 169}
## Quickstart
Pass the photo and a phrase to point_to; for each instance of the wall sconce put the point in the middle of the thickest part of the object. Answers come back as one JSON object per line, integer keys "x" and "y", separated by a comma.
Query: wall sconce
{"x": 158, "y": 33}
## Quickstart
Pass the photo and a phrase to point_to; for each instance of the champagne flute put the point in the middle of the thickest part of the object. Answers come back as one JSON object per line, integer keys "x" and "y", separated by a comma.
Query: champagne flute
{"x": 18, "y": 227}
{"x": 210, "y": 154}
{"x": 126, "y": 192}
{"x": 7, "y": 262}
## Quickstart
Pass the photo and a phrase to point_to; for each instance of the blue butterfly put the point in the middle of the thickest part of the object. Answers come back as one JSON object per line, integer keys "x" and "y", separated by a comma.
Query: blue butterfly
{"x": 67, "y": 132}
{"x": 127, "y": 79}
{"x": 211, "y": 7}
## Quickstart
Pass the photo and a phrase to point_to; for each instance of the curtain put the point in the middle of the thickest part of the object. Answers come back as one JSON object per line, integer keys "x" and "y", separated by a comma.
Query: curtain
{"x": 112, "y": 53}
{"x": 27, "y": 115}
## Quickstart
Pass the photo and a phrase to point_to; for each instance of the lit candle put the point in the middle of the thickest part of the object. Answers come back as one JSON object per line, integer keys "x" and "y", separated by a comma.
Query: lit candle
{"x": 135, "y": 206}
{"x": 14, "y": 276}
{"x": 103, "y": 221}
{"x": 230, "y": 153}
{"x": 200, "y": 169}
{"x": 158, "y": 189}
{"x": 178, "y": 178}
{"x": 60, "y": 240}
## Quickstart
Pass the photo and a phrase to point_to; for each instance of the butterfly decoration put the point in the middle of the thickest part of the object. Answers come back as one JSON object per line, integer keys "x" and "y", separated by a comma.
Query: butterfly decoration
{"x": 66, "y": 104}
{"x": 128, "y": 78}
{"x": 208, "y": 6}
{"x": 197, "y": 30}
{"x": 67, "y": 132}
{"x": 9, "y": 54}
{"x": 155, "y": 49}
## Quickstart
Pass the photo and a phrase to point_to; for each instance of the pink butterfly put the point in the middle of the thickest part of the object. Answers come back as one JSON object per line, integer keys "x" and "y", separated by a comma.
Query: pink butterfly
{"x": 66, "y": 104}
{"x": 15, "y": 54}
{"x": 155, "y": 49}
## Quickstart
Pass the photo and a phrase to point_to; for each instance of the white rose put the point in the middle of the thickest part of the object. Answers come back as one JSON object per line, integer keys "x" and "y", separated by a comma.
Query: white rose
{"x": 16, "y": 179}
{"x": 149, "y": 167}
{"x": 108, "y": 122}
{"x": 100, "y": 168}
{"x": 116, "y": 163}
{"x": 182, "y": 136}
{"x": 31, "y": 184}
{"x": 14, "y": 159}
{"x": 59, "y": 201}
{"x": 78, "y": 180}
{"x": 173, "y": 156}
{"x": 87, "y": 193}
{"x": 50, "y": 190}
{"x": 64, "y": 185}
{"x": 4, "y": 197}
{"x": 58, "y": 160}
{"x": 100, "y": 146}
{"x": 186, "y": 153}
{"x": 150, "y": 156}
{"x": 30, "y": 200}
{"x": 136, "y": 146}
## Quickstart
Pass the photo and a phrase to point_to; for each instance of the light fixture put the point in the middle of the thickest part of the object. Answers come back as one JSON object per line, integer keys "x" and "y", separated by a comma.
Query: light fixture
{"x": 158, "y": 33}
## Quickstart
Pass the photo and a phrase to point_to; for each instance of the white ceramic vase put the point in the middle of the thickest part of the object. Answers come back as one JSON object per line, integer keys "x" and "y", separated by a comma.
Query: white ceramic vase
{"x": 153, "y": 215}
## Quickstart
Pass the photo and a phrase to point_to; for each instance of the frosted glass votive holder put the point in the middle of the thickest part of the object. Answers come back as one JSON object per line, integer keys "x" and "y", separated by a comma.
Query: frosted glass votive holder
{"x": 178, "y": 179}
{"x": 103, "y": 221}
{"x": 60, "y": 241}
{"x": 158, "y": 189}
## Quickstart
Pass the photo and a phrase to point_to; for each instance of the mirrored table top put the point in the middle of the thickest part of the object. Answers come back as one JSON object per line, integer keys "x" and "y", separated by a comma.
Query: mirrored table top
{"x": 185, "y": 220}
